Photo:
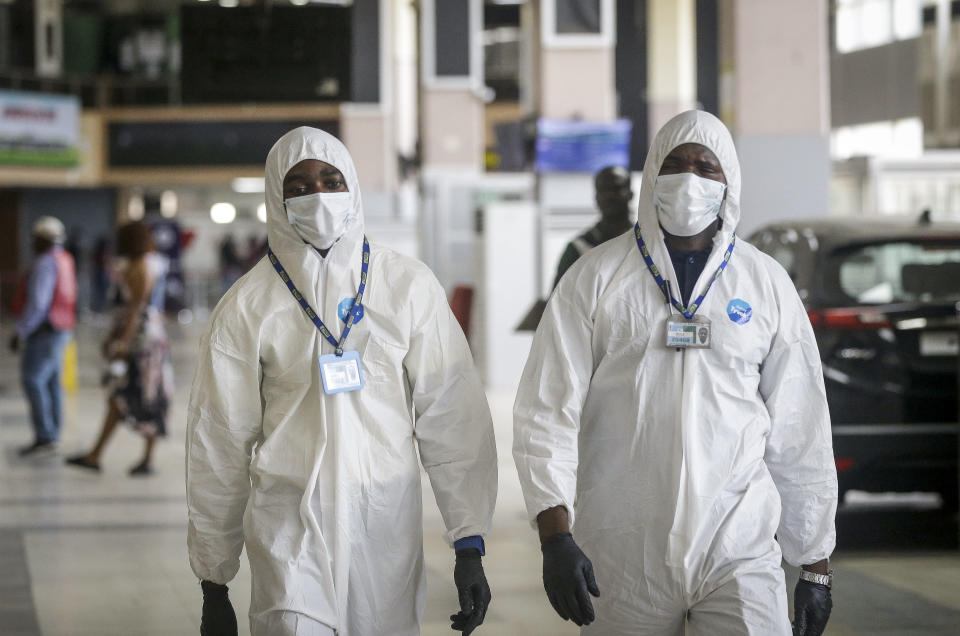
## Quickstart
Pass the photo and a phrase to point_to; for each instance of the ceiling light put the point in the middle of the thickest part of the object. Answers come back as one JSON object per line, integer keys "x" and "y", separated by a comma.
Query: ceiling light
{"x": 168, "y": 204}
{"x": 223, "y": 212}
{"x": 135, "y": 207}
{"x": 248, "y": 185}
{"x": 262, "y": 212}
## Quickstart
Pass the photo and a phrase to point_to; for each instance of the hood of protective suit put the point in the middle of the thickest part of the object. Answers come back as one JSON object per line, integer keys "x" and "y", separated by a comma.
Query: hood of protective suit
{"x": 321, "y": 280}
{"x": 697, "y": 127}
{"x": 298, "y": 145}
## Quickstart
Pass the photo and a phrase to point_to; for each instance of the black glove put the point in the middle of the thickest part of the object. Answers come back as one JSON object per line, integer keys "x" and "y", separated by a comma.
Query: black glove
{"x": 218, "y": 616}
{"x": 472, "y": 589}
{"x": 811, "y": 608}
{"x": 14, "y": 343}
{"x": 567, "y": 578}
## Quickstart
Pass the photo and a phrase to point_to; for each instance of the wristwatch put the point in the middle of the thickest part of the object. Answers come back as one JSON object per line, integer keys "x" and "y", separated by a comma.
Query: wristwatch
{"x": 813, "y": 577}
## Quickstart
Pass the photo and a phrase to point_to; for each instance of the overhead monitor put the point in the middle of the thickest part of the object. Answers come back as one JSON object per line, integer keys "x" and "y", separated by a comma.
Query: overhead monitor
{"x": 574, "y": 145}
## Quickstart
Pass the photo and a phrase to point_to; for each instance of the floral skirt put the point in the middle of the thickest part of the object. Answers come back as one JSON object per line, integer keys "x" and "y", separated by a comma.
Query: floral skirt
{"x": 143, "y": 395}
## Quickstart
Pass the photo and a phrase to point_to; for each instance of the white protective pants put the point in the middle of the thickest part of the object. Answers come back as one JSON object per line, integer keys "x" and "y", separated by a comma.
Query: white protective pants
{"x": 753, "y": 602}
{"x": 283, "y": 623}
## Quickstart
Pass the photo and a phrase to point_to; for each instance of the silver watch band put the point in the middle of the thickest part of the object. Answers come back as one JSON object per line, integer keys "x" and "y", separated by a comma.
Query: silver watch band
{"x": 813, "y": 577}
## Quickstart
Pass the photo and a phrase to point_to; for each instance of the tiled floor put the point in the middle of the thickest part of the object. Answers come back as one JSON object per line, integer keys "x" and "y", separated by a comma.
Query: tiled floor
{"x": 102, "y": 555}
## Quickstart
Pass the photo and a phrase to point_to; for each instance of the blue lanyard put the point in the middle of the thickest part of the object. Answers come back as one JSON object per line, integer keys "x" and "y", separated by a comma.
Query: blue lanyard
{"x": 311, "y": 314}
{"x": 662, "y": 284}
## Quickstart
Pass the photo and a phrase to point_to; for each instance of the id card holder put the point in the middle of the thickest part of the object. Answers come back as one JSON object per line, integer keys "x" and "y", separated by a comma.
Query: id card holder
{"x": 688, "y": 334}
{"x": 341, "y": 373}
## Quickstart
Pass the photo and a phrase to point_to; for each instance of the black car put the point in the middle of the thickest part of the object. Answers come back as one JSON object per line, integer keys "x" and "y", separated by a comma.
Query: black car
{"x": 883, "y": 297}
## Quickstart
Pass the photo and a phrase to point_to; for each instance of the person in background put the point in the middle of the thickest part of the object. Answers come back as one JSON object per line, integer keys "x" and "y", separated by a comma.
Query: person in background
{"x": 256, "y": 250}
{"x": 139, "y": 374}
{"x": 612, "y": 194}
{"x": 99, "y": 274}
{"x": 44, "y": 329}
{"x": 231, "y": 265}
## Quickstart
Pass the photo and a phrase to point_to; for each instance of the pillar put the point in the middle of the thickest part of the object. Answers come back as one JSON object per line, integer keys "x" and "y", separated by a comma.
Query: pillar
{"x": 451, "y": 94}
{"x": 48, "y": 37}
{"x": 671, "y": 61}
{"x": 775, "y": 98}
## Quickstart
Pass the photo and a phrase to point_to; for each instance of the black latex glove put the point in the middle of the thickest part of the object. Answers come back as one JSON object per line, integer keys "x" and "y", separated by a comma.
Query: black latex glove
{"x": 568, "y": 578}
{"x": 811, "y": 608}
{"x": 472, "y": 589}
{"x": 14, "y": 343}
{"x": 218, "y": 616}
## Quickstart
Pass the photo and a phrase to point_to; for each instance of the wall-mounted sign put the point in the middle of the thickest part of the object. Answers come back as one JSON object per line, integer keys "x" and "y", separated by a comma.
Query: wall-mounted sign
{"x": 582, "y": 146}
{"x": 37, "y": 129}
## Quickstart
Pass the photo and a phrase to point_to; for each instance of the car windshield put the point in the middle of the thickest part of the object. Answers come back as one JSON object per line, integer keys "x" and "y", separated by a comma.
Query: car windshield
{"x": 897, "y": 271}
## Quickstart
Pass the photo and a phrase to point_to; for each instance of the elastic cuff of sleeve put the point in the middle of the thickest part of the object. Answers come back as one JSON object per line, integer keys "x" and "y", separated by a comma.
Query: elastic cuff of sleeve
{"x": 213, "y": 590}
{"x": 475, "y": 542}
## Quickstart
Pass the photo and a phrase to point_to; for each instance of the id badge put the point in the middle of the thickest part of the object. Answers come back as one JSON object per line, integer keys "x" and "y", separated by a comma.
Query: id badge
{"x": 688, "y": 334}
{"x": 341, "y": 373}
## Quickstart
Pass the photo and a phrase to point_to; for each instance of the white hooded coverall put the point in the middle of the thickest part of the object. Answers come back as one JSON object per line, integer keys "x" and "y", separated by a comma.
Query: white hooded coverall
{"x": 679, "y": 467}
{"x": 324, "y": 490}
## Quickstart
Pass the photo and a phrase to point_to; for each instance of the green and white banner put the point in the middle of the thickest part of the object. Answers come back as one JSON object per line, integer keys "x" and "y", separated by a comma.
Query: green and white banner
{"x": 37, "y": 129}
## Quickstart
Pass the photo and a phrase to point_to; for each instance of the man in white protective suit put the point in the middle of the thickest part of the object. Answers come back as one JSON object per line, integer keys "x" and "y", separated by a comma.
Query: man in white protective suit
{"x": 679, "y": 439}
{"x": 325, "y": 371}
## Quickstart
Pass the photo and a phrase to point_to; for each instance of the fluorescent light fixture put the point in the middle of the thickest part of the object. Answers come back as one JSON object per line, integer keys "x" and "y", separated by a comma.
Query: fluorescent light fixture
{"x": 229, "y": 4}
{"x": 248, "y": 185}
{"x": 223, "y": 212}
{"x": 135, "y": 207}
{"x": 168, "y": 204}
{"x": 262, "y": 212}
{"x": 299, "y": 3}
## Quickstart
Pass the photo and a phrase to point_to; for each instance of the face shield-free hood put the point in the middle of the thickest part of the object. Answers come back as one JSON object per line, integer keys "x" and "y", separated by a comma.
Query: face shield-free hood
{"x": 298, "y": 145}
{"x": 697, "y": 127}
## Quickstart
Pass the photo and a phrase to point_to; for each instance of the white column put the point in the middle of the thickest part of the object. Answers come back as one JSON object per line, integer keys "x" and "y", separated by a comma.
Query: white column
{"x": 775, "y": 98}
{"x": 577, "y": 70}
{"x": 672, "y": 60}
{"x": 48, "y": 37}
{"x": 451, "y": 106}
{"x": 368, "y": 130}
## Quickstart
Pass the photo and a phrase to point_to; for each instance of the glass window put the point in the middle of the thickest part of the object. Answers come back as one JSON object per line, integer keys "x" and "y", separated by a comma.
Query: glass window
{"x": 902, "y": 271}
{"x": 906, "y": 18}
{"x": 578, "y": 16}
{"x": 861, "y": 24}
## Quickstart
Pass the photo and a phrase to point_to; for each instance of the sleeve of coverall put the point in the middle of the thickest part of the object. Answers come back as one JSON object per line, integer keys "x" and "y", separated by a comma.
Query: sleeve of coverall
{"x": 224, "y": 422}
{"x": 454, "y": 431}
{"x": 550, "y": 398}
{"x": 799, "y": 450}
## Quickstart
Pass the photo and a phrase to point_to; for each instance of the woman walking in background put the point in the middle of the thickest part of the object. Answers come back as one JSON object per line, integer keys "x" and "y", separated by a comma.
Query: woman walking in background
{"x": 139, "y": 376}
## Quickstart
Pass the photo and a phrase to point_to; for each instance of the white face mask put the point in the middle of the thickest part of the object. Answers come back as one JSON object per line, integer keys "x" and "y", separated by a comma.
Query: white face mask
{"x": 320, "y": 218}
{"x": 686, "y": 204}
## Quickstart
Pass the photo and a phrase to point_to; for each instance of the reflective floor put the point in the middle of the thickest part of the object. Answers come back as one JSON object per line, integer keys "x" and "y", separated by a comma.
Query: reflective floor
{"x": 104, "y": 554}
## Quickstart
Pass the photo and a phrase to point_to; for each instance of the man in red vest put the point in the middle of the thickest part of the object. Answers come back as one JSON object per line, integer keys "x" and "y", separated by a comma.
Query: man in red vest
{"x": 44, "y": 328}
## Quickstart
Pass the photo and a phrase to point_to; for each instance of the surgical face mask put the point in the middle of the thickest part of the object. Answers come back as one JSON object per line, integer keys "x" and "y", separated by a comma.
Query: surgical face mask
{"x": 320, "y": 218}
{"x": 686, "y": 204}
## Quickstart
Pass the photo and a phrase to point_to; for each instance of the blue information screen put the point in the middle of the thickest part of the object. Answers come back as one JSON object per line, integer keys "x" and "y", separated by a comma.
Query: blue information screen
{"x": 565, "y": 145}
